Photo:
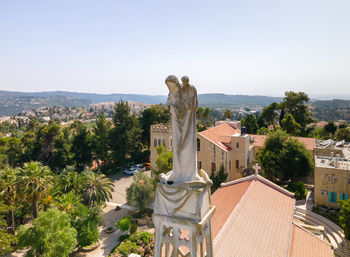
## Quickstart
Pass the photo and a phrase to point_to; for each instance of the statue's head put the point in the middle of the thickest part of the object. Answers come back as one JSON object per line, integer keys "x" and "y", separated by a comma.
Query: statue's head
{"x": 185, "y": 80}
{"x": 173, "y": 83}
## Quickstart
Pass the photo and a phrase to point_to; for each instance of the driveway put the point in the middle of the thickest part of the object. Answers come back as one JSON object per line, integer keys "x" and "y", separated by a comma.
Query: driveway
{"x": 121, "y": 183}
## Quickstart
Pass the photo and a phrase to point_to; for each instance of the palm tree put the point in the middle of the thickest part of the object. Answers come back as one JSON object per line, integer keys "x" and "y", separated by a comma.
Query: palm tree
{"x": 66, "y": 202}
{"x": 68, "y": 180}
{"x": 37, "y": 179}
{"x": 97, "y": 188}
{"x": 9, "y": 192}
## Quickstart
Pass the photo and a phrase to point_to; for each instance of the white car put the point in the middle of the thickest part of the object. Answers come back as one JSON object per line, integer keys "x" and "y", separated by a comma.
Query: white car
{"x": 137, "y": 167}
{"x": 129, "y": 171}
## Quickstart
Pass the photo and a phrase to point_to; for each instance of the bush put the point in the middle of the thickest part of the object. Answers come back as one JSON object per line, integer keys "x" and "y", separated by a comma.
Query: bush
{"x": 133, "y": 228}
{"x": 299, "y": 189}
{"x": 141, "y": 191}
{"x": 51, "y": 235}
{"x": 141, "y": 243}
{"x": 86, "y": 221}
{"x": 124, "y": 223}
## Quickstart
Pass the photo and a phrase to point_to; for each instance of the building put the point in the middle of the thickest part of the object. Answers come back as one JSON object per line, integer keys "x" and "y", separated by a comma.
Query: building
{"x": 224, "y": 145}
{"x": 160, "y": 134}
{"x": 332, "y": 180}
{"x": 331, "y": 148}
{"x": 255, "y": 217}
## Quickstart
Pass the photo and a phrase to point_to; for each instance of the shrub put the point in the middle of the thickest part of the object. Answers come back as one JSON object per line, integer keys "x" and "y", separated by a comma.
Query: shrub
{"x": 124, "y": 223}
{"x": 141, "y": 243}
{"x": 299, "y": 189}
{"x": 141, "y": 191}
{"x": 133, "y": 228}
{"x": 51, "y": 235}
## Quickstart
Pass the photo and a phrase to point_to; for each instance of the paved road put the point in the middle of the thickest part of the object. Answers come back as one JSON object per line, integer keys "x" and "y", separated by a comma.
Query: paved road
{"x": 121, "y": 183}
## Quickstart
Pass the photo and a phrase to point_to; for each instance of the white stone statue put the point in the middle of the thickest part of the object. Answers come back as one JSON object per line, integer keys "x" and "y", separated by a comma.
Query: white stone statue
{"x": 183, "y": 103}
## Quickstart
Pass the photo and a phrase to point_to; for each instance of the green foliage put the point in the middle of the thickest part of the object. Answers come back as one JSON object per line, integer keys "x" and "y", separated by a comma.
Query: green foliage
{"x": 86, "y": 222}
{"x": 151, "y": 116}
{"x": 343, "y": 134}
{"x": 51, "y": 235}
{"x": 7, "y": 240}
{"x": 124, "y": 223}
{"x": 141, "y": 243}
{"x": 228, "y": 114}
{"x": 100, "y": 138}
{"x": 299, "y": 189}
{"x": 218, "y": 178}
{"x": 203, "y": 117}
{"x": 164, "y": 162}
{"x": 283, "y": 157}
{"x": 290, "y": 125}
{"x": 296, "y": 104}
{"x": 81, "y": 148}
{"x": 140, "y": 194}
{"x": 331, "y": 128}
{"x": 12, "y": 148}
{"x": 269, "y": 114}
{"x": 321, "y": 133}
{"x": 96, "y": 188}
{"x": 36, "y": 182}
{"x": 335, "y": 109}
{"x": 133, "y": 228}
{"x": 62, "y": 154}
{"x": 250, "y": 123}
{"x": 344, "y": 218}
{"x": 125, "y": 136}
{"x": 263, "y": 131}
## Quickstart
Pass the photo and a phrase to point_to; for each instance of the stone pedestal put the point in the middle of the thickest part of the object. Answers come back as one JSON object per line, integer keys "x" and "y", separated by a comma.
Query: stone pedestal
{"x": 182, "y": 218}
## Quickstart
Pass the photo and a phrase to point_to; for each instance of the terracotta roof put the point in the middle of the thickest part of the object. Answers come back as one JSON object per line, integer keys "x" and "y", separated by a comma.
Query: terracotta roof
{"x": 310, "y": 142}
{"x": 225, "y": 201}
{"x": 254, "y": 217}
{"x": 304, "y": 244}
{"x": 218, "y": 135}
{"x": 321, "y": 124}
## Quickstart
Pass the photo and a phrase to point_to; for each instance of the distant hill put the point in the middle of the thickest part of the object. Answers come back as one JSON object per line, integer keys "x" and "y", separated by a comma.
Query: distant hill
{"x": 328, "y": 110}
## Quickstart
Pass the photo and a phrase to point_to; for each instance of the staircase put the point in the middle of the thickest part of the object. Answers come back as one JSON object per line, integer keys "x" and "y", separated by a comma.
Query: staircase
{"x": 332, "y": 233}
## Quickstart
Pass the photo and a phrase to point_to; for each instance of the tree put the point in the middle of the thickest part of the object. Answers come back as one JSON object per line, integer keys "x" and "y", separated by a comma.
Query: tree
{"x": 36, "y": 181}
{"x": 203, "y": 116}
{"x": 151, "y": 116}
{"x": 250, "y": 123}
{"x": 68, "y": 180}
{"x": 62, "y": 155}
{"x": 9, "y": 192}
{"x": 343, "y": 134}
{"x": 125, "y": 137}
{"x": 51, "y": 235}
{"x": 218, "y": 178}
{"x": 100, "y": 139}
{"x": 123, "y": 224}
{"x": 269, "y": 114}
{"x": 331, "y": 128}
{"x": 299, "y": 189}
{"x": 81, "y": 148}
{"x": 12, "y": 148}
{"x": 283, "y": 157}
{"x": 295, "y": 104}
{"x": 164, "y": 162}
{"x": 97, "y": 188}
{"x": 344, "y": 218}
{"x": 7, "y": 240}
{"x": 140, "y": 194}
{"x": 228, "y": 114}
{"x": 290, "y": 125}
{"x": 85, "y": 221}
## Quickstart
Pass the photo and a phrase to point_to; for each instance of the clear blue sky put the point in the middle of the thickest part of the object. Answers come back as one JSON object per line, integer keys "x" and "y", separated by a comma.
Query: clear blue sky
{"x": 130, "y": 46}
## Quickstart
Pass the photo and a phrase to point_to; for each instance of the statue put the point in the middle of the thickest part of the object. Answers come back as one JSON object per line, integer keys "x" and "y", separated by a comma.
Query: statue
{"x": 183, "y": 103}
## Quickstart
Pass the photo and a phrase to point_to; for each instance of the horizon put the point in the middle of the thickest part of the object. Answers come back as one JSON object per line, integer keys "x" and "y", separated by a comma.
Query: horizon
{"x": 245, "y": 48}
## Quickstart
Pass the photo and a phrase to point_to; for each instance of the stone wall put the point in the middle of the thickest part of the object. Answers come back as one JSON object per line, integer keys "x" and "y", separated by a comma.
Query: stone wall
{"x": 160, "y": 133}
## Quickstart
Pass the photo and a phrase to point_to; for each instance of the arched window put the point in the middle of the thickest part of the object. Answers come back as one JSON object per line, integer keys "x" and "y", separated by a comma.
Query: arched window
{"x": 163, "y": 141}
{"x": 159, "y": 142}
{"x": 155, "y": 142}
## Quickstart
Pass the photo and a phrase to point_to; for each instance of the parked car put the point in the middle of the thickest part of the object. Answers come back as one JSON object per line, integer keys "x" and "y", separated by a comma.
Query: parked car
{"x": 138, "y": 167}
{"x": 129, "y": 171}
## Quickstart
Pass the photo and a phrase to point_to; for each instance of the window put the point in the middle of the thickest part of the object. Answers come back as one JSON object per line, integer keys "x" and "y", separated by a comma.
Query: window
{"x": 348, "y": 180}
{"x": 199, "y": 165}
{"x": 229, "y": 164}
{"x": 332, "y": 197}
{"x": 163, "y": 141}
{"x": 159, "y": 142}
{"x": 155, "y": 142}
{"x": 237, "y": 145}
{"x": 330, "y": 179}
{"x": 198, "y": 144}
{"x": 214, "y": 151}
{"x": 237, "y": 164}
{"x": 222, "y": 155}
{"x": 213, "y": 166}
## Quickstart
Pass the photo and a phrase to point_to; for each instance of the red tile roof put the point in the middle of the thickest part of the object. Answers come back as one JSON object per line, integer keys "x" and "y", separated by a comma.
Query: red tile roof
{"x": 304, "y": 244}
{"x": 254, "y": 218}
{"x": 225, "y": 201}
{"x": 310, "y": 142}
{"x": 219, "y": 135}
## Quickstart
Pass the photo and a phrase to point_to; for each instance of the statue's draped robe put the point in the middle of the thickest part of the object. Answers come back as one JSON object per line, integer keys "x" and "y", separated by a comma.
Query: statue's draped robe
{"x": 183, "y": 109}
